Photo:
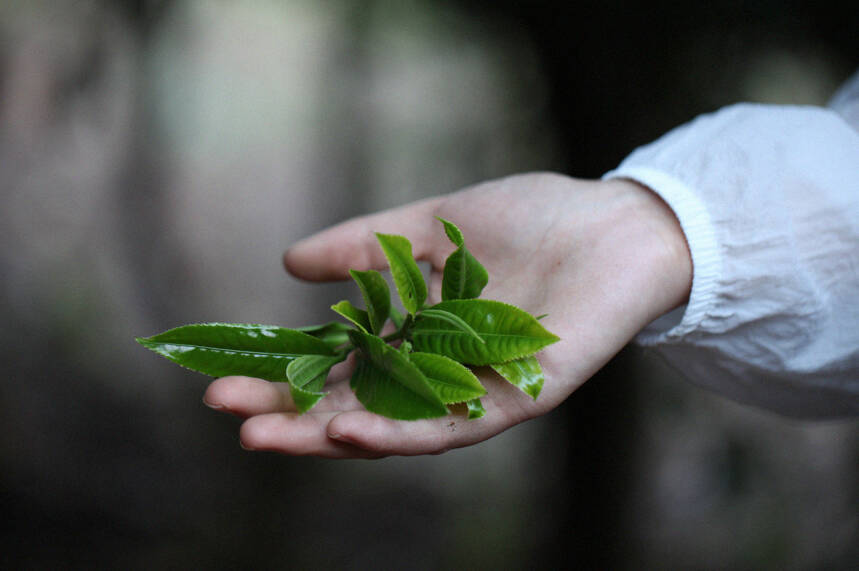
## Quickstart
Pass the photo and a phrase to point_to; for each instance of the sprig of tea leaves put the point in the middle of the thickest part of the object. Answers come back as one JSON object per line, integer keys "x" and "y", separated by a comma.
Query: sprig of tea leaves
{"x": 412, "y": 373}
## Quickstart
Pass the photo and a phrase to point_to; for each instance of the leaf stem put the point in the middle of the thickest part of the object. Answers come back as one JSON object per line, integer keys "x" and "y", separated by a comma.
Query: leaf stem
{"x": 402, "y": 333}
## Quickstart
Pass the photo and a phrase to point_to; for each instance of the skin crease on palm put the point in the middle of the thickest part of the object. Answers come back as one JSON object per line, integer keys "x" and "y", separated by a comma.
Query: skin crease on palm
{"x": 602, "y": 258}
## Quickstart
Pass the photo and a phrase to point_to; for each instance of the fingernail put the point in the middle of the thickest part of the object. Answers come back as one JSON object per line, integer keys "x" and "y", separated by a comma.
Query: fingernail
{"x": 341, "y": 438}
{"x": 212, "y": 405}
{"x": 248, "y": 448}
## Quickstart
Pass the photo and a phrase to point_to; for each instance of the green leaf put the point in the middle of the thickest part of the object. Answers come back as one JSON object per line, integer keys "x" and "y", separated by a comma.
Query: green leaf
{"x": 451, "y": 381}
{"x": 304, "y": 400}
{"x": 359, "y": 317}
{"x": 377, "y": 297}
{"x": 221, "y": 349}
{"x": 452, "y": 319}
{"x": 525, "y": 374}
{"x": 475, "y": 409}
{"x": 405, "y": 348}
{"x": 397, "y": 318}
{"x": 310, "y": 371}
{"x": 509, "y": 332}
{"x": 307, "y": 376}
{"x": 387, "y": 383}
{"x": 407, "y": 275}
{"x": 333, "y": 333}
{"x": 453, "y": 233}
{"x": 464, "y": 277}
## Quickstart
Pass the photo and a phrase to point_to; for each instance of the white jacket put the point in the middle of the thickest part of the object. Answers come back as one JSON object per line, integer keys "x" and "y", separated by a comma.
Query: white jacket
{"x": 768, "y": 198}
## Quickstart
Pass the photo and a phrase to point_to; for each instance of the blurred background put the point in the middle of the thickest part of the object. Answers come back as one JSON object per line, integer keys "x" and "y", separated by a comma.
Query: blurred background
{"x": 156, "y": 158}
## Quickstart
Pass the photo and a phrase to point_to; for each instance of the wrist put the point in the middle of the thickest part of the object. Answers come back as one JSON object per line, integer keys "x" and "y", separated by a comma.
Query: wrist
{"x": 647, "y": 228}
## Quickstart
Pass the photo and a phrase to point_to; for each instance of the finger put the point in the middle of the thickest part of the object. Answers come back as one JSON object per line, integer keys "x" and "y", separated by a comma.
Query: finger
{"x": 297, "y": 435}
{"x": 247, "y": 396}
{"x": 379, "y": 435}
{"x": 330, "y": 254}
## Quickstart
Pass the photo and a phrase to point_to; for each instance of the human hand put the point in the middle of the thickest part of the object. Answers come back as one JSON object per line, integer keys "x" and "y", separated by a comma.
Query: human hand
{"x": 602, "y": 258}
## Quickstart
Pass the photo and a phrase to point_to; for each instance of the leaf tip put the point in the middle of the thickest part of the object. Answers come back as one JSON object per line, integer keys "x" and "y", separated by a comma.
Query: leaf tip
{"x": 453, "y": 232}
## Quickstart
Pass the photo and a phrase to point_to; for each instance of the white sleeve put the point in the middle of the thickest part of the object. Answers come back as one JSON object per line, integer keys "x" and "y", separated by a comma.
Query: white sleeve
{"x": 768, "y": 198}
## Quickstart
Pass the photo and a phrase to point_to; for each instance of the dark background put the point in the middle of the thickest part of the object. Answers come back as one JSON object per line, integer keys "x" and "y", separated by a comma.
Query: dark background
{"x": 157, "y": 157}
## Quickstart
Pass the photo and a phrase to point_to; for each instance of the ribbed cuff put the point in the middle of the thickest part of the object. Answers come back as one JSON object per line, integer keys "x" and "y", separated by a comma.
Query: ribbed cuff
{"x": 703, "y": 246}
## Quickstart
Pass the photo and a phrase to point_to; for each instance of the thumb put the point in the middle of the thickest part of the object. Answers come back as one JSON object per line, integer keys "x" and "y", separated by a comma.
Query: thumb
{"x": 331, "y": 253}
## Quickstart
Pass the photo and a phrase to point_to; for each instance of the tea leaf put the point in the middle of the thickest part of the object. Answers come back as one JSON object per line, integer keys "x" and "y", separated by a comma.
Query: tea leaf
{"x": 387, "y": 383}
{"x": 333, "y": 333}
{"x": 377, "y": 297}
{"x": 221, "y": 349}
{"x": 464, "y": 277}
{"x": 307, "y": 376}
{"x": 509, "y": 333}
{"x": 524, "y": 373}
{"x": 407, "y": 275}
{"x": 453, "y": 233}
{"x": 451, "y": 381}
{"x": 310, "y": 371}
{"x": 303, "y": 399}
{"x": 397, "y": 318}
{"x": 359, "y": 317}
{"x": 475, "y": 409}
{"x": 452, "y": 319}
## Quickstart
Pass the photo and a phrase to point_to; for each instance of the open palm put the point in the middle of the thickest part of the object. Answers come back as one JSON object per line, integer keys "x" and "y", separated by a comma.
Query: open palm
{"x": 603, "y": 259}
